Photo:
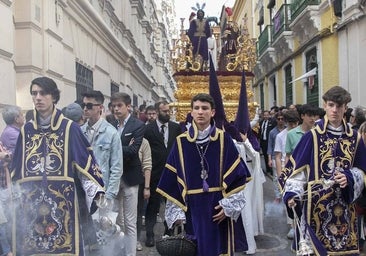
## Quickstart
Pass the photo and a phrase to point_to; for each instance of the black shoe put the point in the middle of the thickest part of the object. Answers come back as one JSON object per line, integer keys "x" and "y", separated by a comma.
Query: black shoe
{"x": 150, "y": 241}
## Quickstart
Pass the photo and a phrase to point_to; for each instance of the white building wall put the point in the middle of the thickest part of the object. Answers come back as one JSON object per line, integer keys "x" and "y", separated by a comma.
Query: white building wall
{"x": 352, "y": 54}
{"x": 7, "y": 73}
{"x": 112, "y": 38}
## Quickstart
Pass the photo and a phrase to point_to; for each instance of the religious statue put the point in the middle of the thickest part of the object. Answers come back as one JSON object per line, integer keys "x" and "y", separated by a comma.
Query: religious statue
{"x": 199, "y": 31}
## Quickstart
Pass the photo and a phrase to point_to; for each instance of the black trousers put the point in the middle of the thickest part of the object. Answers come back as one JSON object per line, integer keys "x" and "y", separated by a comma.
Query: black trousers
{"x": 264, "y": 147}
{"x": 152, "y": 209}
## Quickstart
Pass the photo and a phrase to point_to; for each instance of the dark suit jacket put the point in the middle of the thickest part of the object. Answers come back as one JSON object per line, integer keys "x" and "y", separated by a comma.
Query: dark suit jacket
{"x": 271, "y": 124}
{"x": 132, "y": 172}
{"x": 159, "y": 153}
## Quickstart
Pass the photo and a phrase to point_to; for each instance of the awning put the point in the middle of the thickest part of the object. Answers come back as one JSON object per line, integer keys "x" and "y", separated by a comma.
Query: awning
{"x": 306, "y": 75}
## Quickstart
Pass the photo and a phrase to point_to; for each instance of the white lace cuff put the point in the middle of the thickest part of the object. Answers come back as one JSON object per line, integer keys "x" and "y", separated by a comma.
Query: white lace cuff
{"x": 173, "y": 213}
{"x": 358, "y": 182}
{"x": 296, "y": 184}
{"x": 233, "y": 205}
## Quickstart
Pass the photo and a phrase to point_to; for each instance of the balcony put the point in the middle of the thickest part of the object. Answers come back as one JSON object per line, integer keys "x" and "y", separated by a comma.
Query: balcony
{"x": 282, "y": 34}
{"x": 297, "y": 6}
{"x": 264, "y": 40}
{"x": 265, "y": 52}
{"x": 305, "y": 20}
{"x": 281, "y": 21}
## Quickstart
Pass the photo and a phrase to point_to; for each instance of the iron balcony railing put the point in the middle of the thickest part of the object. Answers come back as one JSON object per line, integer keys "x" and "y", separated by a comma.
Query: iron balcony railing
{"x": 281, "y": 21}
{"x": 297, "y": 6}
{"x": 264, "y": 40}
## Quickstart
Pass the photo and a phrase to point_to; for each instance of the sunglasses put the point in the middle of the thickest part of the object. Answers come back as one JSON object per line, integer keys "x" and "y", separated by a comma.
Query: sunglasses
{"x": 88, "y": 105}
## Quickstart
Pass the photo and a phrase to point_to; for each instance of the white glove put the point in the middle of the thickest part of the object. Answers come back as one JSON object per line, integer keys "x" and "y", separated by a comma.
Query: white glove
{"x": 257, "y": 111}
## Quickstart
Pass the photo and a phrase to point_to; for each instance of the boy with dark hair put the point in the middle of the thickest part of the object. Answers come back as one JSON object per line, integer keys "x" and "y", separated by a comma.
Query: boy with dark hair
{"x": 323, "y": 178}
{"x": 203, "y": 181}
{"x": 150, "y": 113}
{"x": 307, "y": 115}
{"x": 51, "y": 156}
{"x": 106, "y": 144}
{"x": 131, "y": 131}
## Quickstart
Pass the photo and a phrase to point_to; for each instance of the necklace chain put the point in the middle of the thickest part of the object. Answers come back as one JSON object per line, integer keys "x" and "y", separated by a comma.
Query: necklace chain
{"x": 202, "y": 153}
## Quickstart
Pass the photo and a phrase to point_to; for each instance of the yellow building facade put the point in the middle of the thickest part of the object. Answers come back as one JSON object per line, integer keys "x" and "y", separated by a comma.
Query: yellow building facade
{"x": 297, "y": 50}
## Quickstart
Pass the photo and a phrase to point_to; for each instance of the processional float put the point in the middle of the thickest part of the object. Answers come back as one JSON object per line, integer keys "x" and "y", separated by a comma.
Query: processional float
{"x": 236, "y": 52}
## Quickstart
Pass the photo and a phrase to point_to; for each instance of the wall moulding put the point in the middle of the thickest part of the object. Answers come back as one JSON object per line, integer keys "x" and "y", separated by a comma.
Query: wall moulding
{"x": 7, "y": 2}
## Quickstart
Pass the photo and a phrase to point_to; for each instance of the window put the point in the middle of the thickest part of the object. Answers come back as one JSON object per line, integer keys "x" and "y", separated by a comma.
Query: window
{"x": 261, "y": 91}
{"x": 261, "y": 17}
{"x": 84, "y": 80}
{"x": 135, "y": 100}
{"x": 288, "y": 85}
{"x": 114, "y": 88}
{"x": 312, "y": 96}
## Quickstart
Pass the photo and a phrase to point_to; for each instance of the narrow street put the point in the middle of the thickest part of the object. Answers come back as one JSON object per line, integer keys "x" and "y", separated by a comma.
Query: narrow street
{"x": 272, "y": 243}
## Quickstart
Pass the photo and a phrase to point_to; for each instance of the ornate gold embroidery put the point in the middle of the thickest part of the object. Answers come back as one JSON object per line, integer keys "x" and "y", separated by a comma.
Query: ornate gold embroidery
{"x": 44, "y": 154}
{"x": 48, "y": 218}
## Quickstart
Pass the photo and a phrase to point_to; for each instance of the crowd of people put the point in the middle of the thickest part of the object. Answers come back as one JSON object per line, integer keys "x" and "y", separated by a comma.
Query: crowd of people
{"x": 65, "y": 172}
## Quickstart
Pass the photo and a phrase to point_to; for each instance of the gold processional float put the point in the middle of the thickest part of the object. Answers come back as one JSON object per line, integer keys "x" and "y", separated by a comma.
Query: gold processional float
{"x": 237, "y": 53}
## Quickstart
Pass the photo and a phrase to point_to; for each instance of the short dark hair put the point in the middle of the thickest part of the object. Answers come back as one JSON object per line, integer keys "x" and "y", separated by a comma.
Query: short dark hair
{"x": 348, "y": 114}
{"x": 275, "y": 109}
{"x": 338, "y": 95}
{"x": 359, "y": 114}
{"x": 281, "y": 108}
{"x": 48, "y": 86}
{"x": 204, "y": 97}
{"x": 291, "y": 116}
{"x": 150, "y": 108}
{"x": 278, "y": 114}
{"x": 29, "y": 115}
{"x": 307, "y": 109}
{"x": 157, "y": 104}
{"x": 97, "y": 95}
{"x": 321, "y": 112}
{"x": 124, "y": 97}
{"x": 142, "y": 107}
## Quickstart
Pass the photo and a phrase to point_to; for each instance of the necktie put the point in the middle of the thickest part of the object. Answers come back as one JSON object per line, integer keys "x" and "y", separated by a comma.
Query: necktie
{"x": 162, "y": 129}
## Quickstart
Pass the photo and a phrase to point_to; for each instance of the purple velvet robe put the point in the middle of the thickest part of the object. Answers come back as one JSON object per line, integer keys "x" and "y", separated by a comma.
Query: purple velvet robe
{"x": 329, "y": 212}
{"x": 46, "y": 164}
{"x": 198, "y": 33}
{"x": 181, "y": 183}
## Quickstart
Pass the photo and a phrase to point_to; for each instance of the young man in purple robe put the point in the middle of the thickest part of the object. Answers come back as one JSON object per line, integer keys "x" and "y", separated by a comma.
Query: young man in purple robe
{"x": 51, "y": 156}
{"x": 323, "y": 178}
{"x": 203, "y": 182}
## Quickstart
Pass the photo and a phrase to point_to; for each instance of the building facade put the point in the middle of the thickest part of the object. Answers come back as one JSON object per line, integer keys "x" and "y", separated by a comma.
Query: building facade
{"x": 305, "y": 47}
{"x": 106, "y": 45}
{"x": 351, "y": 29}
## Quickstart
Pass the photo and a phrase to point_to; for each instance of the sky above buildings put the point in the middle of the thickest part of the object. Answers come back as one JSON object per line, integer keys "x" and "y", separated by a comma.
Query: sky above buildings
{"x": 212, "y": 8}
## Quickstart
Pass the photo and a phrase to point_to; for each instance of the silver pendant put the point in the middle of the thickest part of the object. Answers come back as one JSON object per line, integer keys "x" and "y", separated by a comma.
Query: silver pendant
{"x": 204, "y": 174}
